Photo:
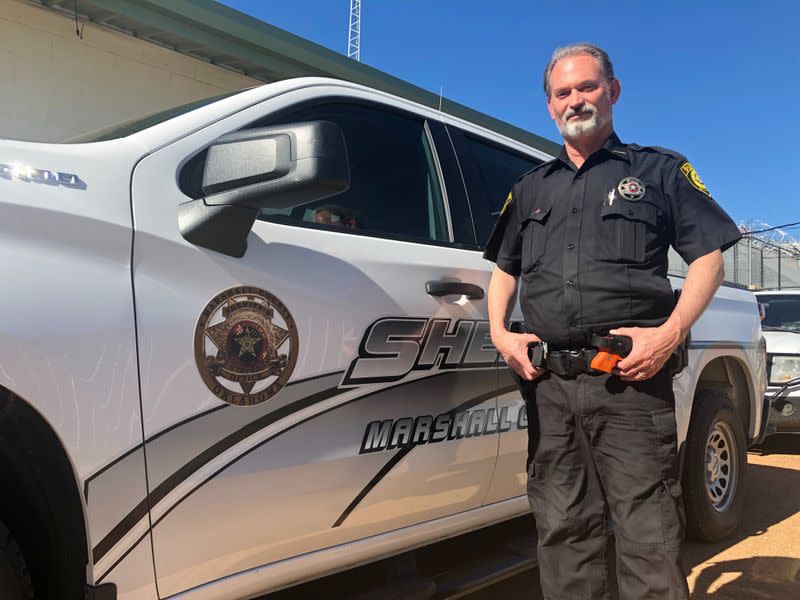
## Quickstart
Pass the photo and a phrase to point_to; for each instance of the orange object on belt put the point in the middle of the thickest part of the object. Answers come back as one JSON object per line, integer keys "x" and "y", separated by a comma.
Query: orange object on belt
{"x": 605, "y": 361}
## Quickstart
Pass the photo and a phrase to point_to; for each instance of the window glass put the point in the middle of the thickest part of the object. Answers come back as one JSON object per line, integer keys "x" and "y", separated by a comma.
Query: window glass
{"x": 489, "y": 175}
{"x": 394, "y": 185}
{"x": 782, "y": 311}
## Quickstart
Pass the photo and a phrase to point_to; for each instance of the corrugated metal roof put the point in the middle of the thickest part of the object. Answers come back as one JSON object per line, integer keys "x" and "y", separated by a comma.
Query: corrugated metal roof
{"x": 225, "y": 37}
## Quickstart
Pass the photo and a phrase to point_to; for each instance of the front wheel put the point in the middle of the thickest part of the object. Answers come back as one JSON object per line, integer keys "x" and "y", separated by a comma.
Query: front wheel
{"x": 715, "y": 468}
{"x": 15, "y": 582}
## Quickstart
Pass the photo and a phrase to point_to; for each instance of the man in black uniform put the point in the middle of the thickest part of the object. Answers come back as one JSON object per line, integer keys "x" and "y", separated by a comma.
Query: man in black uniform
{"x": 588, "y": 235}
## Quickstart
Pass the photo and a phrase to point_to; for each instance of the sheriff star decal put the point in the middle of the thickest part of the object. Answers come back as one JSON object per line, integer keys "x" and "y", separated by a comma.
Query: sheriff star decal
{"x": 688, "y": 171}
{"x": 245, "y": 345}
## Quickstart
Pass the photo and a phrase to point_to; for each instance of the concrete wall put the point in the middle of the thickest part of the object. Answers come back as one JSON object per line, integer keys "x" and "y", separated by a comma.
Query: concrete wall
{"x": 56, "y": 85}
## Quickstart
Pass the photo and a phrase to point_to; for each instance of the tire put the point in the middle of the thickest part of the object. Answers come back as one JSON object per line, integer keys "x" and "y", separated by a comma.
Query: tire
{"x": 15, "y": 581}
{"x": 714, "y": 489}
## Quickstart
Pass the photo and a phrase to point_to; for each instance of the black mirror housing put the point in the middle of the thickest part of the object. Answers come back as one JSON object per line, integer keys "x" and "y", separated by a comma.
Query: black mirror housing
{"x": 270, "y": 167}
{"x": 277, "y": 167}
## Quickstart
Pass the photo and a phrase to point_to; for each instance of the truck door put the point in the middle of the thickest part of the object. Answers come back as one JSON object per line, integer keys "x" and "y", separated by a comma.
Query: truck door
{"x": 490, "y": 170}
{"x": 371, "y": 403}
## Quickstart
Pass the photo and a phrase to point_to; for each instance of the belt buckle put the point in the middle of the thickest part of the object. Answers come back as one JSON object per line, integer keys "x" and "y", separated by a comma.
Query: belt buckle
{"x": 572, "y": 360}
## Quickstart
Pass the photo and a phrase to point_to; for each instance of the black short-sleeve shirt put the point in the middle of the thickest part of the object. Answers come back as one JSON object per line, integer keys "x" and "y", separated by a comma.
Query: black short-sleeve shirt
{"x": 590, "y": 245}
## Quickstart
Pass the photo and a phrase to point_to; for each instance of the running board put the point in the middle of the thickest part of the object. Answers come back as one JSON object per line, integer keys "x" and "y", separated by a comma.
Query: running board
{"x": 493, "y": 569}
{"x": 459, "y": 583}
{"x": 445, "y": 570}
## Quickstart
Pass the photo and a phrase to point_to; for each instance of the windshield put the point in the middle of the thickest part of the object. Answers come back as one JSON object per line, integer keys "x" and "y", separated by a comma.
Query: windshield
{"x": 782, "y": 311}
{"x": 127, "y": 128}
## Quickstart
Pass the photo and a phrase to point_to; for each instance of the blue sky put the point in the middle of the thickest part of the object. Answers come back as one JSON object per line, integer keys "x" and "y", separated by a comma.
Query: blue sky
{"x": 716, "y": 81}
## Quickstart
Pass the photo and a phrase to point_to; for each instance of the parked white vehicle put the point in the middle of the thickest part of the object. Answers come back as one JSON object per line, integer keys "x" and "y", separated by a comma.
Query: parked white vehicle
{"x": 246, "y": 345}
{"x": 781, "y": 325}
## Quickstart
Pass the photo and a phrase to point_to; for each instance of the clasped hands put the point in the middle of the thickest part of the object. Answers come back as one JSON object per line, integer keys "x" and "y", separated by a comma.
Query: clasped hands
{"x": 652, "y": 347}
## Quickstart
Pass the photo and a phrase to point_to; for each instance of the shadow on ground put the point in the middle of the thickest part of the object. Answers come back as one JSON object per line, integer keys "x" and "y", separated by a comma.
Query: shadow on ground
{"x": 757, "y": 578}
{"x": 773, "y": 495}
{"x": 782, "y": 443}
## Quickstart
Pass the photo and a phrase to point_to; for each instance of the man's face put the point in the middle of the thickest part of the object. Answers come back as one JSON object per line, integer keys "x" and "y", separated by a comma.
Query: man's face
{"x": 580, "y": 98}
{"x": 326, "y": 217}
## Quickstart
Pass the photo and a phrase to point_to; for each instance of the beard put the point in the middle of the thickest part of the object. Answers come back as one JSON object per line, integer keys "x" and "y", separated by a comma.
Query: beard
{"x": 576, "y": 130}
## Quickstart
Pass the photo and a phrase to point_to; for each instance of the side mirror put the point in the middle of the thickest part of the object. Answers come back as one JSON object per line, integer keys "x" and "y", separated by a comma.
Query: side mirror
{"x": 271, "y": 167}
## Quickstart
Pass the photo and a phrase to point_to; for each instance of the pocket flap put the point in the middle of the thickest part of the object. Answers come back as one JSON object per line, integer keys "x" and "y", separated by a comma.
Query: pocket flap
{"x": 539, "y": 214}
{"x": 633, "y": 211}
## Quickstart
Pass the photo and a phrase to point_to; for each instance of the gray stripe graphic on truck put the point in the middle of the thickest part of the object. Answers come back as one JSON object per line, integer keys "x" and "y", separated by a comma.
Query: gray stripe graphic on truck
{"x": 186, "y": 449}
{"x": 403, "y": 452}
{"x": 160, "y": 491}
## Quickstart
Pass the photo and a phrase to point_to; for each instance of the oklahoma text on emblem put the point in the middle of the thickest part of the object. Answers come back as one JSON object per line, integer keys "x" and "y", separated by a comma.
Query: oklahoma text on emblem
{"x": 631, "y": 189}
{"x": 245, "y": 345}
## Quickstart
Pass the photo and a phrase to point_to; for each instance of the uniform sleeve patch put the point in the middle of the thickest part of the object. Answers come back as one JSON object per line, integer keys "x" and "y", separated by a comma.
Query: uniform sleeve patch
{"x": 506, "y": 203}
{"x": 688, "y": 171}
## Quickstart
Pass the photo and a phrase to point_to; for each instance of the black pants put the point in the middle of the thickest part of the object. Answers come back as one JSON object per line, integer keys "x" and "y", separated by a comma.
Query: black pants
{"x": 598, "y": 444}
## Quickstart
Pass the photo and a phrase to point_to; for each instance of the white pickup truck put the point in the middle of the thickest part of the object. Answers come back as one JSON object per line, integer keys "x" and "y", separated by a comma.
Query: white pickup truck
{"x": 781, "y": 325}
{"x": 245, "y": 345}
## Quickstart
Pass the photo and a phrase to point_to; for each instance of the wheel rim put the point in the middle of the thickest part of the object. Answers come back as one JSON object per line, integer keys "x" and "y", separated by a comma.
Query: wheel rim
{"x": 721, "y": 467}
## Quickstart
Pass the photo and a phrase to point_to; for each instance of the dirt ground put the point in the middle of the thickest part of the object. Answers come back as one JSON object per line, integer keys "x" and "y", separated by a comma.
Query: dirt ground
{"x": 761, "y": 561}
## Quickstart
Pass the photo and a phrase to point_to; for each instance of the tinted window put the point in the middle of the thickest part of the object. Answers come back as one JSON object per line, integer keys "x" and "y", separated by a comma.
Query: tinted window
{"x": 782, "y": 311}
{"x": 489, "y": 172}
{"x": 394, "y": 184}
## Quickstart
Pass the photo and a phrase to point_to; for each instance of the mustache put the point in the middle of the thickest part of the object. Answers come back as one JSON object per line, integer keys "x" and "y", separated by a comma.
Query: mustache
{"x": 583, "y": 108}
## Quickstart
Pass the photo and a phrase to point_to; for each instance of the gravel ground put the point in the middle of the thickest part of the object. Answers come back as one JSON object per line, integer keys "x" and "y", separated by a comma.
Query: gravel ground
{"x": 760, "y": 561}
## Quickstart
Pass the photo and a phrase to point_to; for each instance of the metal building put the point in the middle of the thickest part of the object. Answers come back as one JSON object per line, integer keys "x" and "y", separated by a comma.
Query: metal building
{"x": 66, "y": 73}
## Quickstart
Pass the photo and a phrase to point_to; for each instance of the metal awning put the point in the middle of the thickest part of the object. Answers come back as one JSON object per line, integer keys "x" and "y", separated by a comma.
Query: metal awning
{"x": 225, "y": 37}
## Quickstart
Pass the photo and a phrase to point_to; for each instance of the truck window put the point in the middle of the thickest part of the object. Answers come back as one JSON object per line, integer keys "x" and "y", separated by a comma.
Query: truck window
{"x": 394, "y": 184}
{"x": 489, "y": 172}
{"x": 782, "y": 311}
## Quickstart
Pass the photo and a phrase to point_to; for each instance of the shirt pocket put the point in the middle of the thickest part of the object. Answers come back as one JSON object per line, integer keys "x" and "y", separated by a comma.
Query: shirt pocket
{"x": 627, "y": 227}
{"x": 534, "y": 237}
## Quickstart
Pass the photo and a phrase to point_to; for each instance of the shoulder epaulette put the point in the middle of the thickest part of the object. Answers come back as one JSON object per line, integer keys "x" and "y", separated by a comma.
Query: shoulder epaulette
{"x": 659, "y": 150}
{"x": 534, "y": 169}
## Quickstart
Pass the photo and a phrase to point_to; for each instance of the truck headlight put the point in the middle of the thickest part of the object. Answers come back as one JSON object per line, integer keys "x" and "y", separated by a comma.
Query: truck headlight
{"x": 784, "y": 368}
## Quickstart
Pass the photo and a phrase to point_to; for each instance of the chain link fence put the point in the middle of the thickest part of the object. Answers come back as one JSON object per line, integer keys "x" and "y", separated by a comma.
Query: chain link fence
{"x": 754, "y": 264}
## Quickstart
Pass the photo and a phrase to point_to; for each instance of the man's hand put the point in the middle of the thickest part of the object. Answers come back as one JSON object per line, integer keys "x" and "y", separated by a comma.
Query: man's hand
{"x": 652, "y": 347}
{"x": 513, "y": 347}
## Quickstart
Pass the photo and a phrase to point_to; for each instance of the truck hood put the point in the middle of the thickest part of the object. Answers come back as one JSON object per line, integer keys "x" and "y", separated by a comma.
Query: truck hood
{"x": 782, "y": 342}
{"x": 53, "y": 184}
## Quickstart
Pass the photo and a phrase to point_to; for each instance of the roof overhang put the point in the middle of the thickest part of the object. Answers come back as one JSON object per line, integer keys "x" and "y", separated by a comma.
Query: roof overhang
{"x": 225, "y": 37}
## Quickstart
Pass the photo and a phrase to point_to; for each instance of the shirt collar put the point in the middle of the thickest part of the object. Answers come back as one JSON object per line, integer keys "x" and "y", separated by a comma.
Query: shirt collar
{"x": 616, "y": 147}
{"x": 612, "y": 146}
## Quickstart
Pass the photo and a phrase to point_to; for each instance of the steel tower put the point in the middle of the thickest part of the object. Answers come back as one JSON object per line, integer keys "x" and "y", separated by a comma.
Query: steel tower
{"x": 354, "y": 37}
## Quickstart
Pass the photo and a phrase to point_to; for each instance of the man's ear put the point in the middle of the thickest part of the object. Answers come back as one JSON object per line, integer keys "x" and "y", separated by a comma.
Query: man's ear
{"x": 615, "y": 89}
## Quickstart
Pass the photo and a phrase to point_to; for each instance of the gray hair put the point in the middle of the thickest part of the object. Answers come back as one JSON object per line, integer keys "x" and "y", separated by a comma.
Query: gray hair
{"x": 600, "y": 55}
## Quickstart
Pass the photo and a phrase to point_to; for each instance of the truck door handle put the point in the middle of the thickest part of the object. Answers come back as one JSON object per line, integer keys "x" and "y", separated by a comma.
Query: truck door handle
{"x": 454, "y": 288}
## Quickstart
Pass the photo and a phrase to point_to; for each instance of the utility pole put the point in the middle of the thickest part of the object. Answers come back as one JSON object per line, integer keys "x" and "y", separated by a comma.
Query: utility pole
{"x": 354, "y": 36}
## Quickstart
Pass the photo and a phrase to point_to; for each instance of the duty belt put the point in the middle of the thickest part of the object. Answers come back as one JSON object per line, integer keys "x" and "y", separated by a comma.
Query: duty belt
{"x": 564, "y": 363}
{"x": 569, "y": 363}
